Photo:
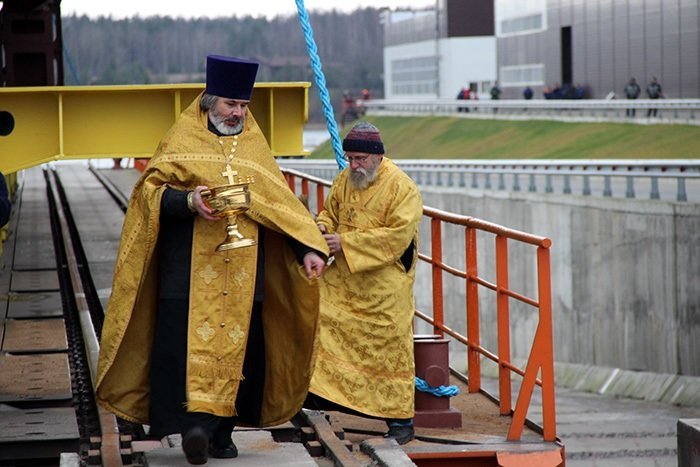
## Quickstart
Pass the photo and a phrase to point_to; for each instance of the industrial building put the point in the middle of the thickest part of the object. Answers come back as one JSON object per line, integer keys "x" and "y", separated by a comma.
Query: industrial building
{"x": 595, "y": 45}
{"x": 598, "y": 45}
{"x": 435, "y": 52}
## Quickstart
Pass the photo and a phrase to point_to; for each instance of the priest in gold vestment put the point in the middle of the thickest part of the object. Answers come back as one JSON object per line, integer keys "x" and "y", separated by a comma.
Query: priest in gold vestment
{"x": 196, "y": 340}
{"x": 370, "y": 222}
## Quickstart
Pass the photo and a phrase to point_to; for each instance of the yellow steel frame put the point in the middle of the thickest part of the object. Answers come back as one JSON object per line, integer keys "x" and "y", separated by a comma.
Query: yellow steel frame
{"x": 84, "y": 122}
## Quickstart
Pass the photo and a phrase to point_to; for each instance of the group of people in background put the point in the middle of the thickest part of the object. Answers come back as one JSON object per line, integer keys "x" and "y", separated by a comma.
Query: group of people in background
{"x": 353, "y": 108}
{"x": 564, "y": 91}
{"x": 466, "y": 93}
{"x": 633, "y": 90}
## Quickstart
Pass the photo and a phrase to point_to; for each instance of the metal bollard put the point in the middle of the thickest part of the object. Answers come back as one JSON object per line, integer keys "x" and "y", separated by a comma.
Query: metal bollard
{"x": 432, "y": 365}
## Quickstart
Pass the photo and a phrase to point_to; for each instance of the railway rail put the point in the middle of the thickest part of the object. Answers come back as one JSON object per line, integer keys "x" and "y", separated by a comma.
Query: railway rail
{"x": 59, "y": 259}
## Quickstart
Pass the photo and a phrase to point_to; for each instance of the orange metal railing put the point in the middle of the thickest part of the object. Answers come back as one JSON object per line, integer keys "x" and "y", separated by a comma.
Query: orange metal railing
{"x": 541, "y": 357}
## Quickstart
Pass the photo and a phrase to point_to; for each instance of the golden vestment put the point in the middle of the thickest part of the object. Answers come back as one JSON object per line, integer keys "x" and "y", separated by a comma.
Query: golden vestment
{"x": 221, "y": 283}
{"x": 365, "y": 356}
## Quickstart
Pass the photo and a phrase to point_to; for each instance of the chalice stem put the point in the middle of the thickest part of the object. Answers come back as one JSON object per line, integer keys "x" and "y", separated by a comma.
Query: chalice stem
{"x": 232, "y": 228}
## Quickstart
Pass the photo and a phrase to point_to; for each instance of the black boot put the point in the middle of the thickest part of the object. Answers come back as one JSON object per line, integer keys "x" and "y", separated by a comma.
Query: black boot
{"x": 195, "y": 444}
{"x": 222, "y": 447}
{"x": 402, "y": 433}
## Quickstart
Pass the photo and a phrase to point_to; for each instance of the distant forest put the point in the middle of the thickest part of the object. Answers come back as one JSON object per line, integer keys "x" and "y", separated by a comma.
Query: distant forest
{"x": 158, "y": 50}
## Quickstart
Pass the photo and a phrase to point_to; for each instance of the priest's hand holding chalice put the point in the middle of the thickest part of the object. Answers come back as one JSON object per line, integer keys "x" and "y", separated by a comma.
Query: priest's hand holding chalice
{"x": 229, "y": 201}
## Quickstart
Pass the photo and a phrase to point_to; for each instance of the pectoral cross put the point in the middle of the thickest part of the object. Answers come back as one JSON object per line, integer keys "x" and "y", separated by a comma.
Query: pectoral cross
{"x": 229, "y": 173}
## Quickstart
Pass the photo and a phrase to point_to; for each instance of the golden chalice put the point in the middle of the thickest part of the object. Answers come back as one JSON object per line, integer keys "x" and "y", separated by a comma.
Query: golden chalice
{"x": 229, "y": 201}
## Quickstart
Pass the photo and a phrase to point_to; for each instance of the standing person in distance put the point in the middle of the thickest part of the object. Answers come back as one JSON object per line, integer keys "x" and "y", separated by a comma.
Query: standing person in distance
{"x": 654, "y": 92}
{"x": 632, "y": 91}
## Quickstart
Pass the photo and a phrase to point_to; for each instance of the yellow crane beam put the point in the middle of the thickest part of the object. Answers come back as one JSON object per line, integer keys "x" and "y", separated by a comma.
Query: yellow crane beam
{"x": 43, "y": 124}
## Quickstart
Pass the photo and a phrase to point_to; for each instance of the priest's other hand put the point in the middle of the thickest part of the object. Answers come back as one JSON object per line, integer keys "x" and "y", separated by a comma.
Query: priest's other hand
{"x": 333, "y": 241}
{"x": 313, "y": 265}
{"x": 203, "y": 210}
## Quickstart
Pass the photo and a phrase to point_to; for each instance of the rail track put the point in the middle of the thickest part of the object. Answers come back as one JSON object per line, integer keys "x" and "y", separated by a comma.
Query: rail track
{"x": 54, "y": 411}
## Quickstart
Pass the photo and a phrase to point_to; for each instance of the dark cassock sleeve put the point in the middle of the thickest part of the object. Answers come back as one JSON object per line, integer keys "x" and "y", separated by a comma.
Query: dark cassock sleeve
{"x": 175, "y": 244}
{"x": 300, "y": 250}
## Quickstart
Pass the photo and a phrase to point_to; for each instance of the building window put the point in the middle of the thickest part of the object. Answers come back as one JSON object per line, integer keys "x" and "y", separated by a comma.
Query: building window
{"x": 522, "y": 75}
{"x": 522, "y": 24}
{"x": 414, "y": 76}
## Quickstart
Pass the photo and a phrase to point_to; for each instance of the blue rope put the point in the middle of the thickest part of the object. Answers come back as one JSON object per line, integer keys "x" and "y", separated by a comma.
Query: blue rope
{"x": 447, "y": 391}
{"x": 321, "y": 83}
{"x": 71, "y": 66}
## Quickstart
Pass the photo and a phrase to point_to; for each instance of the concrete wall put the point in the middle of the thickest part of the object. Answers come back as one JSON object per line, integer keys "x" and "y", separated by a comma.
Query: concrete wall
{"x": 625, "y": 276}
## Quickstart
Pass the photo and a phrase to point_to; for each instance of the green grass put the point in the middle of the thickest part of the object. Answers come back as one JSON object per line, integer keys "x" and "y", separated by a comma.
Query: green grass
{"x": 459, "y": 138}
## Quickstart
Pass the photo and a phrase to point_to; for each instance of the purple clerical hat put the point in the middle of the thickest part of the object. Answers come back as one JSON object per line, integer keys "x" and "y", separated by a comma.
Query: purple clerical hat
{"x": 230, "y": 77}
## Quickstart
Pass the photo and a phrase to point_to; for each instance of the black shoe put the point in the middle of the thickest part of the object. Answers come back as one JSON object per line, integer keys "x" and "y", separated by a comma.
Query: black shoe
{"x": 223, "y": 451}
{"x": 401, "y": 433}
{"x": 195, "y": 444}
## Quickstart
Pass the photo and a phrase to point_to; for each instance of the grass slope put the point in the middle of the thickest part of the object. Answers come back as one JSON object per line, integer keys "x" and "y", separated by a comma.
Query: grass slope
{"x": 459, "y": 138}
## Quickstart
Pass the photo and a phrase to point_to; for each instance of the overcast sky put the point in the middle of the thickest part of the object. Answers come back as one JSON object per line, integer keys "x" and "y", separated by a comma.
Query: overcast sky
{"x": 216, "y": 8}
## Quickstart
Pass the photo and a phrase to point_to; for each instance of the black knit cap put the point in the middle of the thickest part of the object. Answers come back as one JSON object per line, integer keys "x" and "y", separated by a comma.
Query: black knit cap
{"x": 364, "y": 137}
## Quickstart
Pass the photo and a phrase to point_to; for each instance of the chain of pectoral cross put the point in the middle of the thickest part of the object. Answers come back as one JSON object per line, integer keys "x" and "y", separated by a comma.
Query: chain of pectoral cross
{"x": 229, "y": 173}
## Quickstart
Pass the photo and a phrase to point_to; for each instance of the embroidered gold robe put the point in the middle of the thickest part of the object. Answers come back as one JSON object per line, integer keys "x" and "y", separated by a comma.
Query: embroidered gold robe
{"x": 221, "y": 283}
{"x": 365, "y": 352}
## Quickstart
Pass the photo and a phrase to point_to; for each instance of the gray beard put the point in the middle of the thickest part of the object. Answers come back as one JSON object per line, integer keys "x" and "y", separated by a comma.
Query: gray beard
{"x": 223, "y": 128}
{"x": 362, "y": 178}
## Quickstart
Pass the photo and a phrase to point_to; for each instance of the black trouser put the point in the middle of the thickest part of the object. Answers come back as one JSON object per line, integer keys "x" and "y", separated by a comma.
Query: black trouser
{"x": 168, "y": 376}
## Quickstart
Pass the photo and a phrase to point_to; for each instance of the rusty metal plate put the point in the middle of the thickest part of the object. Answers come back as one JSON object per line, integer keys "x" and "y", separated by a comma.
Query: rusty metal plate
{"x": 35, "y": 305}
{"x": 34, "y": 377}
{"x": 34, "y": 281}
{"x": 38, "y": 433}
{"x": 34, "y": 335}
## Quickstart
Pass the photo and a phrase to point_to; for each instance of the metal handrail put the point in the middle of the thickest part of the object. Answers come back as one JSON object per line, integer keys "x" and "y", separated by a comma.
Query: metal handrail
{"x": 541, "y": 358}
{"x": 519, "y": 104}
{"x": 652, "y": 111}
{"x": 436, "y": 172}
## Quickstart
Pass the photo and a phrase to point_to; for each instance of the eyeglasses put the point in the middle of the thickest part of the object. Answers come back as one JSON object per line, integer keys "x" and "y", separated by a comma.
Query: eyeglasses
{"x": 358, "y": 159}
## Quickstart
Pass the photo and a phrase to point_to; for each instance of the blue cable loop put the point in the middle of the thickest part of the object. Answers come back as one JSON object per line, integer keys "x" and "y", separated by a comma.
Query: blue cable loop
{"x": 321, "y": 83}
{"x": 447, "y": 391}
